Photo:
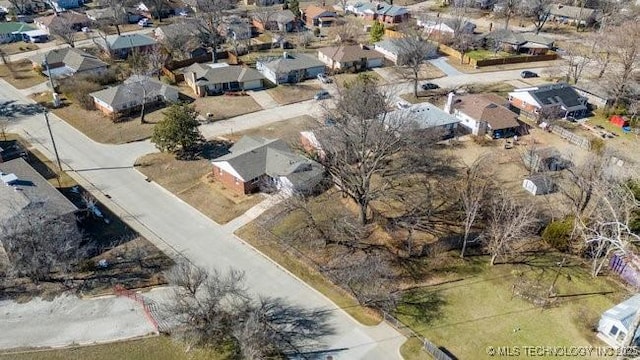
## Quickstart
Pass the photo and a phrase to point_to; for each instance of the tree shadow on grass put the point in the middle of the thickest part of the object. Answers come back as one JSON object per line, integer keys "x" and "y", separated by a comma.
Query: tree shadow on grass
{"x": 421, "y": 306}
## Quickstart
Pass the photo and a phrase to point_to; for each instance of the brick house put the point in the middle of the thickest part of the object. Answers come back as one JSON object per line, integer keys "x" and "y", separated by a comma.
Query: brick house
{"x": 558, "y": 100}
{"x": 380, "y": 11}
{"x": 255, "y": 163}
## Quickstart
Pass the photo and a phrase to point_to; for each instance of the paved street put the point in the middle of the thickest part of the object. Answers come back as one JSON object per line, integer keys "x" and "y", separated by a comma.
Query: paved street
{"x": 173, "y": 224}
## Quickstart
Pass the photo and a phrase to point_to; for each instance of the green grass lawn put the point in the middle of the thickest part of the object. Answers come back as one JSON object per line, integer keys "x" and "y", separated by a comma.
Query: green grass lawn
{"x": 604, "y": 122}
{"x": 482, "y": 54}
{"x": 153, "y": 348}
{"x": 479, "y": 310}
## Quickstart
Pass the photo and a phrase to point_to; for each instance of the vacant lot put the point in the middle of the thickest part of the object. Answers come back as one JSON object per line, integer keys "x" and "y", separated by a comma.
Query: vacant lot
{"x": 18, "y": 47}
{"x": 287, "y": 130}
{"x": 226, "y": 106}
{"x": 292, "y": 93}
{"x": 100, "y": 128}
{"x": 479, "y": 299}
{"x": 21, "y": 74}
{"x": 188, "y": 179}
{"x": 153, "y": 348}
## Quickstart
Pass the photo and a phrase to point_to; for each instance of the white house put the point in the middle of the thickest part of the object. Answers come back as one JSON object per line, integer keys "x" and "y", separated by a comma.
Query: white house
{"x": 614, "y": 323}
{"x": 444, "y": 26}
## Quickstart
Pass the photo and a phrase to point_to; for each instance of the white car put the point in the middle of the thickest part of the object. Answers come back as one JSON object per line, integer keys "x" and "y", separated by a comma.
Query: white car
{"x": 402, "y": 105}
{"x": 324, "y": 79}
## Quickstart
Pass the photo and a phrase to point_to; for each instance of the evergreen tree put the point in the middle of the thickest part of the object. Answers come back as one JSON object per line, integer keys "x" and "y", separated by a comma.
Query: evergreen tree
{"x": 178, "y": 131}
{"x": 377, "y": 32}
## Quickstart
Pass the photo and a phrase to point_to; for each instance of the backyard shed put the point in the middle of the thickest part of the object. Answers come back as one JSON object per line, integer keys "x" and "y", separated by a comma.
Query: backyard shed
{"x": 619, "y": 121}
{"x": 539, "y": 184}
{"x": 614, "y": 323}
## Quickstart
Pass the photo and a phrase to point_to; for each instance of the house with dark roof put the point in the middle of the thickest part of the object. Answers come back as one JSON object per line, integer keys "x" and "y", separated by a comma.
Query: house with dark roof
{"x": 558, "y": 100}
{"x": 573, "y": 14}
{"x": 68, "y": 61}
{"x": 205, "y": 79}
{"x": 131, "y": 94}
{"x": 484, "y": 114}
{"x": 185, "y": 33}
{"x": 281, "y": 20}
{"x": 318, "y": 16}
{"x": 12, "y": 31}
{"x": 356, "y": 57}
{"x": 290, "y": 68}
{"x": 23, "y": 189}
{"x": 256, "y": 163}
{"x": 524, "y": 43}
{"x": 380, "y": 11}
{"x": 75, "y": 19}
{"x": 121, "y": 46}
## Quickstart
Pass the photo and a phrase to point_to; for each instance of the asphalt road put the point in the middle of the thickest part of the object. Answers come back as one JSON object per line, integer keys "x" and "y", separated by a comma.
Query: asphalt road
{"x": 108, "y": 170}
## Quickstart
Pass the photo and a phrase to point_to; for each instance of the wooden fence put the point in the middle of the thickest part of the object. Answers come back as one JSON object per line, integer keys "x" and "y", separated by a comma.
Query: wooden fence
{"x": 498, "y": 61}
{"x": 581, "y": 141}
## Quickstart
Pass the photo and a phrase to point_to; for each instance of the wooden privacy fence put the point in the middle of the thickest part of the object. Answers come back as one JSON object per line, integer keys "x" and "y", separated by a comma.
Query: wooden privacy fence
{"x": 427, "y": 345}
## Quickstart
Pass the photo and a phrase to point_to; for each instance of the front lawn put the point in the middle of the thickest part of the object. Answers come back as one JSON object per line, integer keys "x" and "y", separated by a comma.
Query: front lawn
{"x": 21, "y": 74}
{"x": 226, "y": 106}
{"x": 467, "y": 313}
{"x": 292, "y": 93}
{"x": 188, "y": 179}
{"x": 287, "y": 130}
{"x": 482, "y": 54}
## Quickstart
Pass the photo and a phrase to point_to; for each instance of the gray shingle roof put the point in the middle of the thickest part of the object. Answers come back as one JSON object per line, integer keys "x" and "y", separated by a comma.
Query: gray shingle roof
{"x": 207, "y": 75}
{"x": 571, "y": 12}
{"x": 252, "y": 157}
{"x": 30, "y": 189}
{"x": 561, "y": 93}
{"x": 510, "y": 37}
{"x": 74, "y": 59}
{"x": 128, "y": 41}
{"x": 182, "y": 28}
{"x": 131, "y": 88}
{"x": 292, "y": 62}
{"x": 388, "y": 45}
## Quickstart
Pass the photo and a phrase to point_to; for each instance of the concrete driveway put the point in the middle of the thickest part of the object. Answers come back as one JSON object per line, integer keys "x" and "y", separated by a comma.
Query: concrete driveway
{"x": 175, "y": 226}
{"x": 442, "y": 64}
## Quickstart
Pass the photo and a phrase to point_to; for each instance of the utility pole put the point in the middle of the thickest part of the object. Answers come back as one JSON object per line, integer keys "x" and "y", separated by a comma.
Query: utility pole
{"x": 55, "y": 148}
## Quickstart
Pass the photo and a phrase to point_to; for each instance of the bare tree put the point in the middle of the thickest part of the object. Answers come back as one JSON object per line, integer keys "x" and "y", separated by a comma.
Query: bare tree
{"x": 509, "y": 224}
{"x": 413, "y": 51}
{"x": 22, "y": 7}
{"x": 538, "y": 11}
{"x": 362, "y": 143}
{"x": 578, "y": 57}
{"x": 209, "y": 18}
{"x": 5, "y": 60}
{"x": 38, "y": 245}
{"x": 625, "y": 42}
{"x": 64, "y": 29}
{"x": 509, "y": 9}
{"x": 346, "y": 33}
{"x": 117, "y": 12}
{"x": 475, "y": 189}
{"x": 158, "y": 8}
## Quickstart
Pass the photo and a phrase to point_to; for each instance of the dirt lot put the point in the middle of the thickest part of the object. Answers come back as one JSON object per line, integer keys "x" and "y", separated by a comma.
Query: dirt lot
{"x": 100, "y": 127}
{"x": 287, "y": 130}
{"x": 190, "y": 182}
{"x": 226, "y": 106}
{"x": 23, "y": 75}
{"x": 291, "y": 93}
{"x": 18, "y": 47}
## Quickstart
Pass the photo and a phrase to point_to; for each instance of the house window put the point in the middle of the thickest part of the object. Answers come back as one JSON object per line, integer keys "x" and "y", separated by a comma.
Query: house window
{"x": 613, "y": 331}
{"x": 621, "y": 336}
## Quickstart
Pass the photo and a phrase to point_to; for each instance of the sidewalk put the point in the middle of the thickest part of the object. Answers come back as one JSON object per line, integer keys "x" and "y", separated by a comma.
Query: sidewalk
{"x": 263, "y": 99}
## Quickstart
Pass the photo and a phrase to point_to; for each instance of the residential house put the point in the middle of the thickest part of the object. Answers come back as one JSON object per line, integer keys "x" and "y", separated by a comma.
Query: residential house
{"x": 22, "y": 189}
{"x": 355, "y": 57}
{"x": 596, "y": 93}
{"x": 75, "y": 19}
{"x": 35, "y": 36}
{"x": 389, "y": 49}
{"x": 131, "y": 94}
{"x": 184, "y": 33}
{"x": 290, "y": 68}
{"x": 380, "y": 11}
{"x": 68, "y": 61}
{"x": 256, "y": 163}
{"x": 318, "y": 16}
{"x": 263, "y": 2}
{"x": 121, "y": 46}
{"x": 236, "y": 27}
{"x": 12, "y": 31}
{"x": 558, "y": 100}
{"x": 524, "y": 43}
{"x": 539, "y": 184}
{"x": 616, "y": 322}
{"x": 426, "y": 116}
{"x": 206, "y": 79}
{"x": 107, "y": 14}
{"x": 573, "y": 14}
{"x": 282, "y": 20}
{"x": 63, "y": 5}
{"x": 167, "y": 8}
{"x": 484, "y": 114}
{"x": 443, "y": 28}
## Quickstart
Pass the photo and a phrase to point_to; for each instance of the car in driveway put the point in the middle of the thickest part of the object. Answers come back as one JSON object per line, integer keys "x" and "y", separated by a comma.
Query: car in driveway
{"x": 528, "y": 74}
{"x": 321, "y": 95}
{"x": 429, "y": 86}
{"x": 324, "y": 78}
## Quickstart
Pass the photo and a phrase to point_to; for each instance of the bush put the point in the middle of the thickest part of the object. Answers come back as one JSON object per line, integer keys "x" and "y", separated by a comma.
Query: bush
{"x": 558, "y": 234}
{"x": 597, "y": 145}
{"x": 316, "y": 32}
{"x": 104, "y": 78}
{"x": 78, "y": 90}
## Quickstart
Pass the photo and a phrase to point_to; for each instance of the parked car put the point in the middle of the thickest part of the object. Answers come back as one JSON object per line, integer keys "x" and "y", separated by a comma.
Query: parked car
{"x": 324, "y": 79}
{"x": 144, "y": 22}
{"x": 429, "y": 86}
{"x": 402, "y": 105}
{"x": 321, "y": 95}
{"x": 528, "y": 74}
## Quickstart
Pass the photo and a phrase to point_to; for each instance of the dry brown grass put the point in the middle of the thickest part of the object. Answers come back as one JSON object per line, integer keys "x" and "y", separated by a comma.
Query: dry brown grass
{"x": 292, "y": 93}
{"x": 189, "y": 181}
{"x": 287, "y": 130}
{"x": 18, "y": 47}
{"x": 341, "y": 79}
{"x": 99, "y": 127}
{"x": 226, "y": 106}
{"x": 427, "y": 72}
{"x": 23, "y": 76}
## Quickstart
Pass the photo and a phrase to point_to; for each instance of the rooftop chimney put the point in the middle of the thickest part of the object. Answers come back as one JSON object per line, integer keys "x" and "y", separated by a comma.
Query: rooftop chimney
{"x": 448, "y": 105}
{"x": 285, "y": 55}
